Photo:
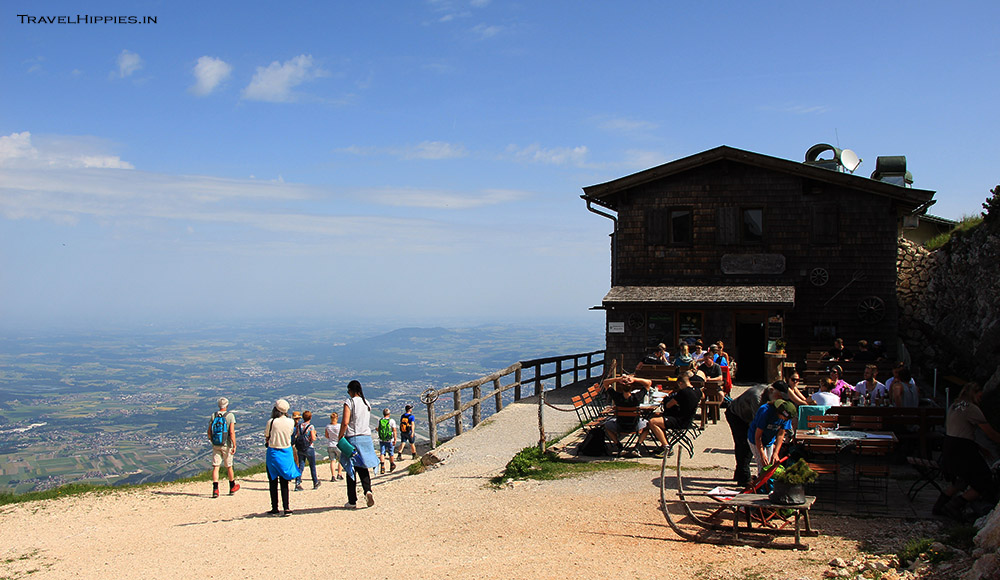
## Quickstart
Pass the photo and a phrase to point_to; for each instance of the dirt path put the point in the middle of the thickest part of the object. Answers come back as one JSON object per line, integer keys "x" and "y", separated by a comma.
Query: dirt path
{"x": 446, "y": 523}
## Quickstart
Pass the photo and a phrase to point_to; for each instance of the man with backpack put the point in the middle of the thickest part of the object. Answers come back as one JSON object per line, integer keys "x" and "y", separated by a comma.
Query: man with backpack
{"x": 406, "y": 430}
{"x": 302, "y": 439}
{"x": 387, "y": 440}
{"x": 222, "y": 434}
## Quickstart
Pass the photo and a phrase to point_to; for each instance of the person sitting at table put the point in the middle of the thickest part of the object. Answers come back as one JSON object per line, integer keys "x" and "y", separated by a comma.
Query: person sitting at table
{"x": 698, "y": 352}
{"x": 903, "y": 391}
{"x": 841, "y": 388}
{"x": 824, "y": 396}
{"x": 865, "y": 354}
{"x": 626, "y": 391}
{"x": 678, "y": 411}
{"x": 870, "y": 386}
{"x": 961, "y": 460}
{"x": 838, "y": 352}
{"x": 797, "y": 397}
{"x": 683, "y": 358}
{"x": 712, "y": 371}
{"x": 767, "y": 432}
{"x": 661, "y": 355}
{"x": 740, "y": 414}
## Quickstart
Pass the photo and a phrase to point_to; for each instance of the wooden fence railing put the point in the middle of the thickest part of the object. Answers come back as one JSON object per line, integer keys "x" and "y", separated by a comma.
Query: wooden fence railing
{"x": 532, "y": 372}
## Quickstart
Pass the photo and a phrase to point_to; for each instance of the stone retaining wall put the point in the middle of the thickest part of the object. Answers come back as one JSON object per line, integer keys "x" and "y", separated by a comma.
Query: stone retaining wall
{"x": 949, "y": 304}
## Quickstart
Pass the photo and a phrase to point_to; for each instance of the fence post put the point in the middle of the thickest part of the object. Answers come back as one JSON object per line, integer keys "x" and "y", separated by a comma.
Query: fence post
{"x": 517, "y": 385}
{"x": 458, "y": 418}
{"x": 590, "y": 361}
{"x": 496, "y": 397}
{"x": 576, "y": 369}
{"x": 538, "y": 380}
{"x": 432, "y": 423}
{"x": 477, "y": 413}
{"x": 559, "y": 373}
{"x": 541, "y": 421}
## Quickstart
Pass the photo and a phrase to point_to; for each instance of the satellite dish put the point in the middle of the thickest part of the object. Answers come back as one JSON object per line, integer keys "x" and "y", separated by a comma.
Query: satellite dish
{"x": 850, "y": 160}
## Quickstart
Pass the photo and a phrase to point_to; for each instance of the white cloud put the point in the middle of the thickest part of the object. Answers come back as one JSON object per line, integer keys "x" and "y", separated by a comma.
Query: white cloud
{"x": 485, "y": 31}
{"x": 433, "y": 150}
{"x": 18, "y": 151}
{"x": 557, "y": 156}
{"x": 209, "y": 73}
{"x": 275, "y": 82}
{"x": 440, "y": 199}
{"x": 128, "y": 63}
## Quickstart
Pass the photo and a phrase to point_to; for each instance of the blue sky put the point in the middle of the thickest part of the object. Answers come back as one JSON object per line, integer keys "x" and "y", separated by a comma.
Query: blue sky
{"x": 424, "y": 160}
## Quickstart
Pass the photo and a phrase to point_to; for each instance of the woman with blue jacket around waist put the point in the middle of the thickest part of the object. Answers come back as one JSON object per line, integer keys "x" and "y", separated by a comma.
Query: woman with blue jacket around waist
{"x": 355, "y": 426}
{"x": 280, "y": 461}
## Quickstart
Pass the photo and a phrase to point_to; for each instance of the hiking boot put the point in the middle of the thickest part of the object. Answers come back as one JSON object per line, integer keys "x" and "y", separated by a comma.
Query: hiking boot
{"x": 215, "y": 493}
{"x": 381, "y": 469}
{"x": 392, "y": 467}
{"x": 369, "y": 498}
{"x": 273, "y": 512}
{"x": 350, "y": 506}
{"x": 333, "y": 478}
{"x": 235, "y": 488}
{"x": 414, "y": 455}
{"x": 316, "y": 484}
{"x": 340, "y": 477}
{"x": 399, "y": 457}
{"x": 299, "y": 488}
{"x": 286, "y": 513}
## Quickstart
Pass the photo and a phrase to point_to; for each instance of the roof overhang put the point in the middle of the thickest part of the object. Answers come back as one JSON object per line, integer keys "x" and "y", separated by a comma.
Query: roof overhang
{"x": 690, "y": 296}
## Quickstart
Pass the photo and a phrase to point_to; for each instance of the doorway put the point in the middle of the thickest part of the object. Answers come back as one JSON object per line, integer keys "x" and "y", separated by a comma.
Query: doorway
{"x": 751, "y": 343}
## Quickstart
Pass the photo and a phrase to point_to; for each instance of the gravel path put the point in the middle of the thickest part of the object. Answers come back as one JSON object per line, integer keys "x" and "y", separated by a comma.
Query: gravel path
{"x": 447, "y": 522}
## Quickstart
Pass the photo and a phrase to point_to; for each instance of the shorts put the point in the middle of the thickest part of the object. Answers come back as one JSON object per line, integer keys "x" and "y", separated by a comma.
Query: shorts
{"x": 334, "y": 453}
{"x": 612, "y": 425}
{"x": 221, "y": 455}
{"x": 386, "y": 447}
{"x": 406, "y": 437}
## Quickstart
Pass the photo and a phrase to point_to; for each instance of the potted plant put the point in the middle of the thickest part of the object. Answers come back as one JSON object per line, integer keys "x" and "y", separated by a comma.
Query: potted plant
{"x": 780, "y": 345}
{"x": 789, "y": 483}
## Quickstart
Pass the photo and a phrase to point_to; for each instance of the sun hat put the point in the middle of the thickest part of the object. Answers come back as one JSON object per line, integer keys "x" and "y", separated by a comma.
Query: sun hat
{"x": 281, "y": 405}
{"x": 296, "y": 415}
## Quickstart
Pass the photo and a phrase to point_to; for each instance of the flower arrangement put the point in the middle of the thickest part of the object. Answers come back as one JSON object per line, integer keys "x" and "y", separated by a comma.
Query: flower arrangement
{"x": 780, "y": 344}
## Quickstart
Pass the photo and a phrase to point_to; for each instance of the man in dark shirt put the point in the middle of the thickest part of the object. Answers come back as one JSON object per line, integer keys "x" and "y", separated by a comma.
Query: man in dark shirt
{"x": 678, "y": 411}
{"x": 740, "y": 414}
{"x": 838, "y": 352}
{"x": 626, "y": 391}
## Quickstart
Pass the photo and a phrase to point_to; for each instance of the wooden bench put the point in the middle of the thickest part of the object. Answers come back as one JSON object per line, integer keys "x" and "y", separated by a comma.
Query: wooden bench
{"x": 749, "y": 501}
{"x": 656, "y": 372}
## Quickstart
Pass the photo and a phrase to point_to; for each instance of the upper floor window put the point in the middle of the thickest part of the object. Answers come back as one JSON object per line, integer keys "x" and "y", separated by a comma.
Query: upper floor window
{"x": 753, "y": 225}
{"x": 669, "y": 227}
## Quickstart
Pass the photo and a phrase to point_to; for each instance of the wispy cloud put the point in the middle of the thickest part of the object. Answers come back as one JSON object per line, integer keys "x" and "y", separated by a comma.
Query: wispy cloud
{"x": 128, "y": 63}
{"x": 485, "y": 31}
{"x": 535, "y": 153}
{"x": 274, "y": 83}
{"x": 209, "y": 73}
{"x": 625, "y": 125}
{"x": 18, "y": 151}
{"x": 441, "y": 199}
{"x": 433, "y": 150}
{"x": 800, "y": 109}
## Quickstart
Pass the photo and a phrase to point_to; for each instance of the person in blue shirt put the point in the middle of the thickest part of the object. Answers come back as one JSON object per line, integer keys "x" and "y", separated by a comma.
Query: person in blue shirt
{"x": 767, "y": 432}
{"x": 406, "y": 432}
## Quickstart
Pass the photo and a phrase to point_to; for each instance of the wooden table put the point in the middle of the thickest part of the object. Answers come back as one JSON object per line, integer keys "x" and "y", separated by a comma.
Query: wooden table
{"x": 748, "y": 501}
{"x": 845, "y": 437}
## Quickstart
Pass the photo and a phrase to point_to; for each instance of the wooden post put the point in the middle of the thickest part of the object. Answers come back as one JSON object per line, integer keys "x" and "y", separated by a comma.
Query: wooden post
{"x": 590, "y": 364}
{"x": 496, "y": 397}
{"x": 541, "y": 421}
{"x": 477, "y": 413}
{"x": 517, "y": 385}
{"x": 458, "y": 418}
{"x": 432, "y": 425}
{"x": 559, "y": 373}
{"x": 538, "y": 380}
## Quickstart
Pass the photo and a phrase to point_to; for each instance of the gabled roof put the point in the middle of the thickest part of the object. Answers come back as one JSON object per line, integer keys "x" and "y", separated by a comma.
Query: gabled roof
{"x": 605, "y": 193}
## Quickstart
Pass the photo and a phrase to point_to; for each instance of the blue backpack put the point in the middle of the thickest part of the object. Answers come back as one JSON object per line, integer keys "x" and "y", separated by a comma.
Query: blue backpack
{"x": 219, "y": 429}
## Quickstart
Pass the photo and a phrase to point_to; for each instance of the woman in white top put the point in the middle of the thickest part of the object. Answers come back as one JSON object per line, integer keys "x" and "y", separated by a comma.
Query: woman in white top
{"x": 824, "y": 396}
{"x": 280, "y": 460}
{"x": 355, "y": 426}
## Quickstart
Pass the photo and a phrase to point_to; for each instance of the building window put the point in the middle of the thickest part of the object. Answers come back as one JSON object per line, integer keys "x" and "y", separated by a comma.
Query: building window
{"x": 753, "y": 226}
{"x": 660, "y": 328}
{"x": 669, "y": 227}
{"x": 689, "y": 327}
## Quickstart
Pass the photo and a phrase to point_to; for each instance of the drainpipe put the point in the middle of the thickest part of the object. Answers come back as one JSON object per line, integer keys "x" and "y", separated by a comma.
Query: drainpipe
{"x": 614, "y": 238}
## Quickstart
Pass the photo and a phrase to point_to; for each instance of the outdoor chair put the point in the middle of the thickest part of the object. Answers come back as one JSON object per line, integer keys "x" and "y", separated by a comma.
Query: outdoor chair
{"x": 825, "y": 421}
{"x": 872, "y": 463}
{"x": 929, "y": 471}
{"x": 711, "y": 403}
{"x": 864, "y": 423}
{"x": 627, "y": 419}
{"x": 822, "y": 457}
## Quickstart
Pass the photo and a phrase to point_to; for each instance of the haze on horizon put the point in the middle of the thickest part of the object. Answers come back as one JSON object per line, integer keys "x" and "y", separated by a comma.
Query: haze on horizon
{"x": 423, "y": 161}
